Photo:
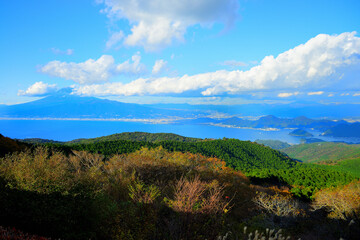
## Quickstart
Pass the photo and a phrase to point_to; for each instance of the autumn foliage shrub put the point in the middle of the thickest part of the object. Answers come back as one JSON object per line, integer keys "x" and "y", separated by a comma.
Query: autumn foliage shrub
{"x": 147, "y": 194}
{"x": 341, "y": 203}
{"x": 41, "y": 171}
{"x": 278, "y": 204}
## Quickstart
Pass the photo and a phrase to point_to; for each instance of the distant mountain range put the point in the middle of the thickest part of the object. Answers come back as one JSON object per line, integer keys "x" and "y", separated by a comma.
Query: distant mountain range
{"x": 65, "y": 106}
{"x": 69, "y": 106}
{"x": 270, "y": 121}
{"x": 344, "y": 130}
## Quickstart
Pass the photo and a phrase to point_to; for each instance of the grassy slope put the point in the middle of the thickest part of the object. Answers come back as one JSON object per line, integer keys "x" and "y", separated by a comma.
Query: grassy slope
{"x": 138, "y": 136}
{"x": 324, "y": 151}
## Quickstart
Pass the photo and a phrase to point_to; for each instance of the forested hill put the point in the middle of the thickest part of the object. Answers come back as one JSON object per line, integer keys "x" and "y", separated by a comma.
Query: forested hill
{"x": 138, "y": 136}
{"x": 240, "y": 155}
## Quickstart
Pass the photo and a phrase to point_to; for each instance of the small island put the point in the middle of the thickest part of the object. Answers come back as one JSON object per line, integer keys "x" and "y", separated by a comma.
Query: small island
{"x": 300, "y": 133}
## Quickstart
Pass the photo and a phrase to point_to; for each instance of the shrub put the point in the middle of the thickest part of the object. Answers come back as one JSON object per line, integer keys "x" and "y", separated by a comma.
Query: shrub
{"x": 196, "y": 196}
{"x": 41, "y": 171}
{"x": 141, "y": 193}
{"x": 341, "y": 203}
{"x": 278, "y": 204}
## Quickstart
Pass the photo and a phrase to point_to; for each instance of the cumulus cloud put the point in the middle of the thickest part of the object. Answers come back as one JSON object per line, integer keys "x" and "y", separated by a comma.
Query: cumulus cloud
{"x": 135, "y": 67}
{"x": 62, "y": 52}
{"x": 314, "y": 64}
{"x": 283, "y": 95}
{"x": 93, "y": 71}
{"x": 315, "y": 93}
{"x": 331, "y": 95}
{"x": 159, "y": 66}
{"x": 38, "y": 89}
{"x": 356, "y": 94}
{"x": 156, "y": 24}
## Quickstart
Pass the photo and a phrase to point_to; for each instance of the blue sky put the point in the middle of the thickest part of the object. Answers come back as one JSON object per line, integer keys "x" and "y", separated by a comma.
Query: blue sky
{"x": 204, "y": 51}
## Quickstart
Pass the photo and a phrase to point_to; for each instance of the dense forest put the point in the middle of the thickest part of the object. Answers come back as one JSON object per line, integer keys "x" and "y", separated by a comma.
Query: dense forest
{"x": 138, "y": 136}
{"x": 202, "y": 189}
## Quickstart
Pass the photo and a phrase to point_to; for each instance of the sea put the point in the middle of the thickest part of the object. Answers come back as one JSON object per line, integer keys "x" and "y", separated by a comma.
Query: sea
{"x": 66, "y": 130}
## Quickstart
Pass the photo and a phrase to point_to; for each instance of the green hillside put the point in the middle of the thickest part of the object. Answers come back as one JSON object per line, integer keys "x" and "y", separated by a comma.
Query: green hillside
{"x": 323, "y": 151}
{"x": 240, "y": 155}
{"x": 138, "y": 136}
{"x": 351, "y": 166}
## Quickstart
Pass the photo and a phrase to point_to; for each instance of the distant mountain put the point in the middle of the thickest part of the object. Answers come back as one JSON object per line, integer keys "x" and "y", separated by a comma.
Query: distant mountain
{"x": 70, "y": 106}
{"x": 299, "y": 108}
{"x": 344, "y": 130}
{"x": 300, "y": 133}
{"x": 138, "y": 136}
{"x": 271, "y": 121}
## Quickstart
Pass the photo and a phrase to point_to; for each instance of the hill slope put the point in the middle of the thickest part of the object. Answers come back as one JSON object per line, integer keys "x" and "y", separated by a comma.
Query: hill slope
{"x": 8, "y": 145}
{"x": 323, "y": 151}
{"x": 240, "y": 155}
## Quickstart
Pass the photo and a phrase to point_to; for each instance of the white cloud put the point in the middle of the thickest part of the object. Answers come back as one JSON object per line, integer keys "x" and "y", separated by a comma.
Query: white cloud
{"x": 314, "y": 64}
{"x": 93, "y": 71}
{"x": 114, "y": 39}
{"x": 356, "y": 94}
{"x": 90, "y": 71}
{"x": 38, "y": 89}
{"x": 159, "y": 66}
{"x": 62, "y": 52}
{"x": 156, "y": 24}
{"x": 315, "y": 93}
{"x": 234, "y": 63}
{"x": 344, "y": 94}
{"x": 283, "y": 95}
{"x": 331, "y": 95}
{"x": 132, "y": 68}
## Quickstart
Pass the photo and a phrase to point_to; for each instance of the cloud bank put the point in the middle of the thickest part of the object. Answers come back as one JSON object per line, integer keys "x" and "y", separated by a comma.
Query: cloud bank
{"x": 322, "y": 62}
{"x": 38, "y": 89}
{"x": 94, "y": 71}
{"x": 156, "y": 24}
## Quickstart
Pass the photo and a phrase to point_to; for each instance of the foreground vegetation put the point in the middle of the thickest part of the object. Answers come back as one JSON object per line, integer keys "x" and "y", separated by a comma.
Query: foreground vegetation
{"x": 262, "y": 164}
{"x": 219, "y": 189}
